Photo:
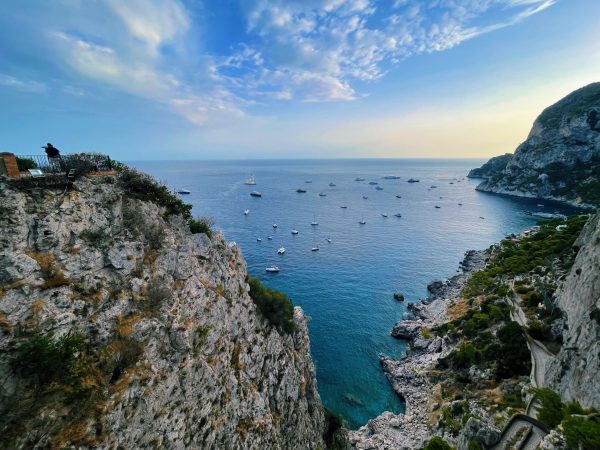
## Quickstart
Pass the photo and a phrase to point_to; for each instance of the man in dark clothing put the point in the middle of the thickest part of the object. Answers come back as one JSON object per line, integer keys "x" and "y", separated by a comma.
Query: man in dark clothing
{"x": 51, "y": 150}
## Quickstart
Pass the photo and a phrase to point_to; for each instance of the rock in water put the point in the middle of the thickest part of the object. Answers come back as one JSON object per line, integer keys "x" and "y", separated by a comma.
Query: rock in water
{"x": 398, "y": 296}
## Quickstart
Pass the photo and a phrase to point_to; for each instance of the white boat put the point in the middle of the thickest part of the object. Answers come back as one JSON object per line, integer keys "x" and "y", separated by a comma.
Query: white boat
{"x": 274, "y": 225}
{"x": 258, "y": 239}
{"x": 250, "y": 181}
{"x": 329, "y": 240}
{"x": 183, "y": 191}
{"x": 255, "y": 194}
{"x": 270, "y": 238}
{"x": 246, "y": 212}
{"x": 314, "y": 223}
{"x": 273, "y": 269}
{"x": 384, "y": 215}
{"x": 294, "y": 231}
{"x": 315, "y": 249}
{"x": 281, "y": 250}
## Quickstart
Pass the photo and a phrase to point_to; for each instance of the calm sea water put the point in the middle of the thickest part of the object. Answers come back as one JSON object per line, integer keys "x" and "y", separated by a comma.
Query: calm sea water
{"x": 346, "y": 287}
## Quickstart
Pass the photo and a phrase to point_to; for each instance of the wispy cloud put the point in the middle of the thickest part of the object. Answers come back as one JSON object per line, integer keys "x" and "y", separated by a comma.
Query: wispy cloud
{"x": 21, "y": 84}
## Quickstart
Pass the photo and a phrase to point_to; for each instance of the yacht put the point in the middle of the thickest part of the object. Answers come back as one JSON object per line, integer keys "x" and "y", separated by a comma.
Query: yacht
{"x": 412, "y": 180}
{"x": 246, "y": 212}
{"x": 274, "y": 225}
{"x": 344, "y": 206}
{"x": 329, "y": 240}
{"x": 255, "y": 194}
{"x": 301, "y": 191}
{"x": 391, "y": 177}
{"x": 250, "y": 181}
{"x": 384, "y": 215}
{"x": 437, "y": 207}
{"x": 397, "y": 215}
{"x": 322, "y": 194}
{"x": 308, "y": 181}
{"x": 272, "y": 269}
{"x": 270, "y": 238}
{"x": 281, "y": 250}
{"x": 460, "y": 204}
{"x": 184, "y": 191}
{"x": 294, "y": 231}
{"x": 315, "y": 249}
{"x": 433, "y": 186}
{"x": 258, "y": 240}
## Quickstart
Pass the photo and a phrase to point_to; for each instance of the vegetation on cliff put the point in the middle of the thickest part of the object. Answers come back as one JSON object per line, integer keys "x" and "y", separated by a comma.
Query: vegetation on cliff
{"x": 274, "y": 305}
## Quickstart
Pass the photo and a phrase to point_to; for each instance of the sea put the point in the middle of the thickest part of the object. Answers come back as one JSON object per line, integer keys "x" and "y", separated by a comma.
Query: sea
{"x": 347, "y": 286}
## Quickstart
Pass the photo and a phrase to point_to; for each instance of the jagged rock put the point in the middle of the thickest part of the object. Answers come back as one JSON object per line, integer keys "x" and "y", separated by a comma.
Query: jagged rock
{"x": 435, "y": 286}
{"x": 477, "y": 430}
{"x": 407, "y": 330}
{"x": 560, "y": 158}
{"x": 211, "y": 372}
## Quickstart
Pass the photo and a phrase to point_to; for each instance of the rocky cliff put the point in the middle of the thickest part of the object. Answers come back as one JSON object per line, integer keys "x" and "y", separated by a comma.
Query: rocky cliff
{"x": 575, "y": 372}
{"x": 560, "y": 159}
{"x": 121, "y": 329}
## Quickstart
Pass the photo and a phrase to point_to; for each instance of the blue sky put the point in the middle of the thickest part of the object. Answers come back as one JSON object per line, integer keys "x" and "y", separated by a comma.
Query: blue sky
{"x": 172, "y": 79}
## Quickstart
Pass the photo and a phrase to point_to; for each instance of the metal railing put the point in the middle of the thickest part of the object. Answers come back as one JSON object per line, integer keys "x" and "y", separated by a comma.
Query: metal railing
{"x": 81, "y": 162}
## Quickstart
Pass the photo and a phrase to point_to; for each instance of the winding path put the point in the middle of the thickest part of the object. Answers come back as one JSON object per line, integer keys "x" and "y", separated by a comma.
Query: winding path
{"x": 524, "y": 431}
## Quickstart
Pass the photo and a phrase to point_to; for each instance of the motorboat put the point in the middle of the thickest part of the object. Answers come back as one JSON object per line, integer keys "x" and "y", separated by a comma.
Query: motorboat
{"x": 294, "y": 231}
{"x": 362, "y": 221}
{"x": 255, "y": 194}
{"x": 274, "y": 225}
{"x": 412, "y": 180}
{"x": 359, "y": 179}
{"x": 384, "y": 215}
{"x": 184, "y": 191}
{"x": 398, "y": 196}
{"x": 460, "y": 204}
{"x": 250, "y": 181}
{"x": 246, "y": 212}
{"x": 397, "y": 215}
{"x": 373, "y": 183}
{"x": 391, "y": 177}
{"x": 258, "y": 240}
{"x": 344, "y": 206}
{"x": 433, "y": 186}
{"x": 270, "y": 238}
{"x": 332, "y": 184}
{"x": 301, "y": 191}
{"x": 322, "y": 194}
{"x": 281, "y": 250}
{"x": 308, "y": 181}
{"x": 273, "y": 269}
{"x": 329, "y": 240}
{"x": 437, "y": 207}
{"x": 315, "y": 249}
{"x": 379, "y": 188}
{"x": 365, "y": 197}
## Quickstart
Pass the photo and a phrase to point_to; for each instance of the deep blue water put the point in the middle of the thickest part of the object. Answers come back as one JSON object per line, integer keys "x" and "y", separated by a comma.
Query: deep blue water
{"x": 346, "y": 287}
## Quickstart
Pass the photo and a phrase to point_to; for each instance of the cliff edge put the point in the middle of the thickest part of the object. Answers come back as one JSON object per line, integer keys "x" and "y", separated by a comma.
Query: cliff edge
{"x": 119, "y": 328}
{"x": 559, "y": 160}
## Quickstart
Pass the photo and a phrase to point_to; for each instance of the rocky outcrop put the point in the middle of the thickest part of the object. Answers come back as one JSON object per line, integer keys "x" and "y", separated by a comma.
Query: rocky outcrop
{"x": 494, "y": 166}
{"x": 175, "y": 354}
{"x": 560, "y": 160}
{"x": 575, "y": 372}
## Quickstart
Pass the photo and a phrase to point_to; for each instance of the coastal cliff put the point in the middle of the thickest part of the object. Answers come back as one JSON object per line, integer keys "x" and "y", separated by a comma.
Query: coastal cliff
{"x": 559, "y": 160}
{"x": 119, "y": 328}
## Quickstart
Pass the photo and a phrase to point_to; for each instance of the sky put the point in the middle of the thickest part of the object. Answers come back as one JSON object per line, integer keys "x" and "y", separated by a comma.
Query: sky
{"x": 235, "y": 79}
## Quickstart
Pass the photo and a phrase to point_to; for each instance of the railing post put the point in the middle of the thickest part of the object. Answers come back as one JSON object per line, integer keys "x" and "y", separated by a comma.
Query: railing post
{"x": 9, "y": 165}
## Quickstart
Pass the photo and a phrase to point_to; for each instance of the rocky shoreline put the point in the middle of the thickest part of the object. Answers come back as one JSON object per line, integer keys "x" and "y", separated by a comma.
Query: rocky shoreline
{"x": 408, "y": 375}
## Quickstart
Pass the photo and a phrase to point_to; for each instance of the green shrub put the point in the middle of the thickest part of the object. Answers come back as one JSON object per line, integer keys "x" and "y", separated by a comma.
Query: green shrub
{"x": 552, "y": 411}
{"x": 144, "y": 187}
{"x": 47, "y": 359}
{"x": 437, "y": 443}
{"x": 25, "y": 164}
{"x": 274, "y": 305}
{"x": 513, "y": 356}
{"x": 582, "y": 432}
{"x": 156, "y": 295}
{"x": 202, "y": 225}
{"x": 333, "y": 423}
{"x": 474, "y": 445}
{"x": 96, "y": 238}
{"x": 539, "y": 330}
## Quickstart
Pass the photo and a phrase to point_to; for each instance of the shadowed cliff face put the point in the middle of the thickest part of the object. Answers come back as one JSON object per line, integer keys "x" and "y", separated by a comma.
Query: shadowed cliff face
{"x": 561, "y": 157}
{"x": 118, "y": 328}
{"x": 575, "y": 373}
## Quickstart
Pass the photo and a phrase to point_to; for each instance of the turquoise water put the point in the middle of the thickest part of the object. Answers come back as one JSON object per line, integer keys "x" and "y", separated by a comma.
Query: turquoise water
{"x": 346, "y": 287}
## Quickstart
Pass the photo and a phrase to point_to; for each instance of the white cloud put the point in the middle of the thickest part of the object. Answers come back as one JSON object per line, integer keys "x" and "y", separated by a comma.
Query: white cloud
{"x": 30, "y": 86}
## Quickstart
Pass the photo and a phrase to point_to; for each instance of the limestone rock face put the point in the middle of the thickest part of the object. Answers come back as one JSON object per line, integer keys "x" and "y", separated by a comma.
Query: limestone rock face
{"x": 208, "y": 371}
{"x": 560, "y": 159}
{"x": 575, "y": 373}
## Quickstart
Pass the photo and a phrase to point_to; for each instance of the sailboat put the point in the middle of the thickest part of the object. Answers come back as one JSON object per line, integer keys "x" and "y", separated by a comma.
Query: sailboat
{"x": 362, "y": 221}
{"x": 246, "y": 212}
{"x": 384, "y": 215}
{"x": 250, "y": 181}
{"x": 314, "y": 223}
